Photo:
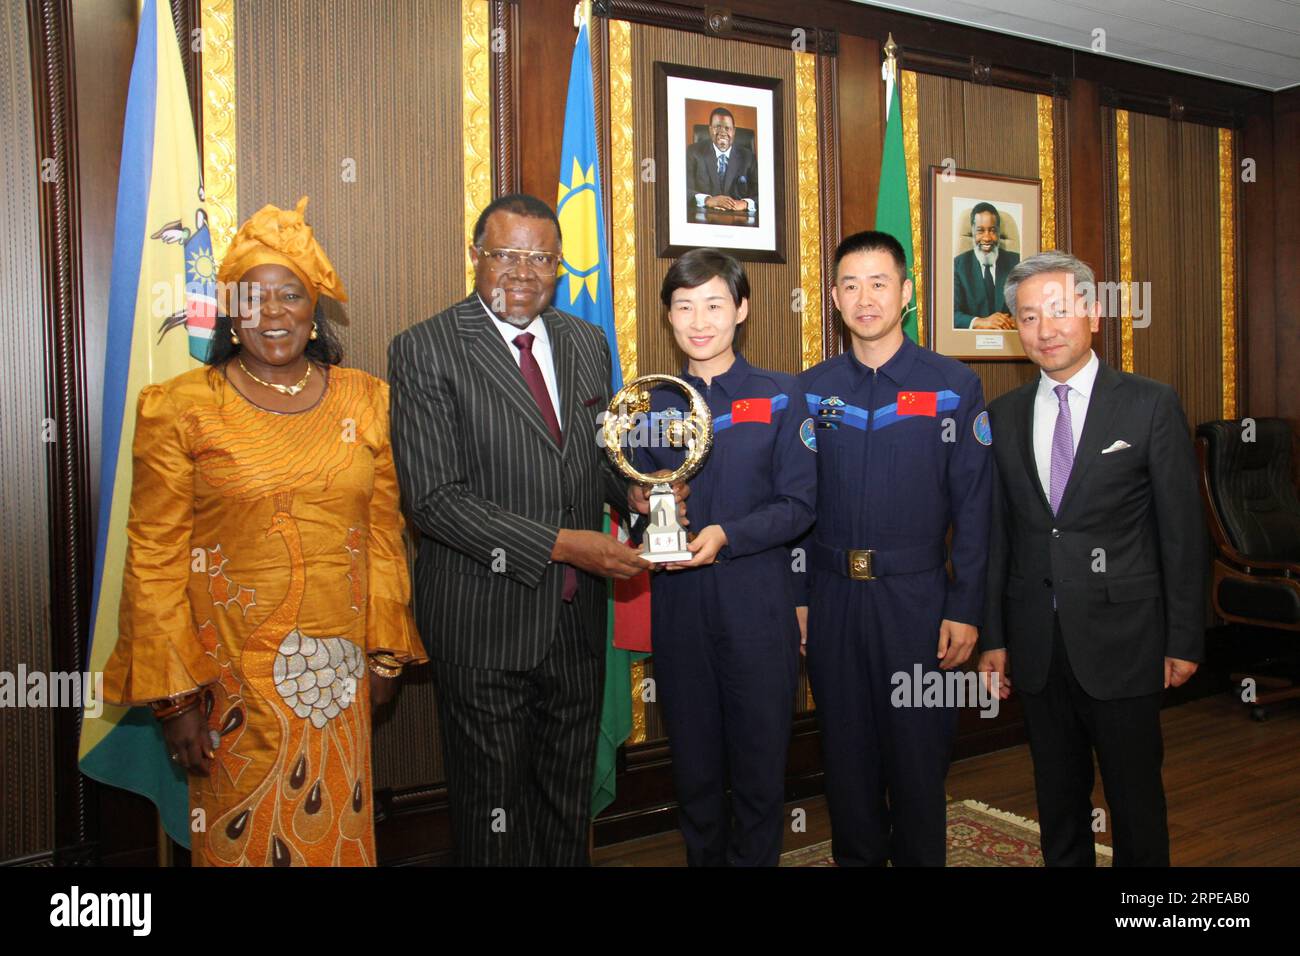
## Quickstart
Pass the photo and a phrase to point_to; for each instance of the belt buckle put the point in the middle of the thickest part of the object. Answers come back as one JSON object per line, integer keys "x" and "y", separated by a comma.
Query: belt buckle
{"x": 860, "y": 564}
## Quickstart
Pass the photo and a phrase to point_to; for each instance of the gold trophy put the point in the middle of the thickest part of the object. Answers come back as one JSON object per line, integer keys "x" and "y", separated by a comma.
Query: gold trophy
{"x": 665, "y": 539}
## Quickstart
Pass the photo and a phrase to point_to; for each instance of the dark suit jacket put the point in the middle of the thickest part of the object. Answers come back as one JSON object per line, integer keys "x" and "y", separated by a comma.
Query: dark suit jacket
{"x": 487, "y": 487}
{"x": 740, "y": 182}
{"x": 1135, "y": 512}
{"x": 968, "y": 286}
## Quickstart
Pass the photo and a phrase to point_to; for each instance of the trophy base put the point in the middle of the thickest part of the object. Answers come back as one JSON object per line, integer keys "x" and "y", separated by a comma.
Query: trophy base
{"x": 665, "y": 538}
{"x": 663, "y": 557}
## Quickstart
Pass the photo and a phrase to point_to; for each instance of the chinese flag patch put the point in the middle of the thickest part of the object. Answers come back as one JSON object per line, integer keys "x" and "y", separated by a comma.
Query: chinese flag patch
{"x": 752, "y": 410}
{"x": 918, "y": 403}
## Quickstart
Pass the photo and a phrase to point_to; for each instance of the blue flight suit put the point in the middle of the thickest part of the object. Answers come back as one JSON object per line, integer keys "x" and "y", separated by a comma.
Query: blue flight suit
{"x": 891, "y": 480}
{"x": 725, "y": 636}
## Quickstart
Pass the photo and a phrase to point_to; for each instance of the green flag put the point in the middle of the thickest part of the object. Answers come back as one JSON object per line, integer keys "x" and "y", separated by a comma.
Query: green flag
{"x": 893, "y": 206}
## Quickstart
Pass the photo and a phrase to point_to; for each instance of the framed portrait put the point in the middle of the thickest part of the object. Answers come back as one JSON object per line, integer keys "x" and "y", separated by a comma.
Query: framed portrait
{"x": 720, "y": 175}
{"x": 981, "y": 226}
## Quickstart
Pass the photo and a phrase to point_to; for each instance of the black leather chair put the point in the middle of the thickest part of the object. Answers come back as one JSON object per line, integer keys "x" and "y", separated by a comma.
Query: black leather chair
{"x": 1254, "y": 517}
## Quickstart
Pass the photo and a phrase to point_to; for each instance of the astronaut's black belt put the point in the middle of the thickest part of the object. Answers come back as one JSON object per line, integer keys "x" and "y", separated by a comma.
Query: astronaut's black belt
{"x": 866, "y": 564}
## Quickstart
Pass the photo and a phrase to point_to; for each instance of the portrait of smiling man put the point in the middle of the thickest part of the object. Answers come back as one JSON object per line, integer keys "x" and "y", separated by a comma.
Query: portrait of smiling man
{"x": 980, "y": 272}
{"x": 719, "y": 173}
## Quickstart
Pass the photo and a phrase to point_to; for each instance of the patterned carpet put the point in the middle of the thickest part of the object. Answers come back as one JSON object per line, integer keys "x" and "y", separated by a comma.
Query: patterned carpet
{"x": 978, "y": 835}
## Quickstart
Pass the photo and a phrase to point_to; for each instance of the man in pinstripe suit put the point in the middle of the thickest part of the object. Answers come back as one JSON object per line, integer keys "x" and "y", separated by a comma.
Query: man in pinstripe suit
{"x": 494, "y": 421}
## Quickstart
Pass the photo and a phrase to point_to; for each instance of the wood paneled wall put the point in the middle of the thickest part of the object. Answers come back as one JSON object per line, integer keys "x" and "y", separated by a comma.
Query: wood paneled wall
{"x": 772, "y": 334}
{"x": 1286, "y": 254}
{"x": 357, "y": 104}
{"x": 1174, "y": 187}
{"x": 26, "y": 734}
{"x": 861, "y": 123}
{"x": 331, "y": 88}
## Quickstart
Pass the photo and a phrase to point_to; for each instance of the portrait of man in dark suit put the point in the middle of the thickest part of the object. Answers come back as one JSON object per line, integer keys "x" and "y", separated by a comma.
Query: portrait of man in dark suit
{"x": 720, "y": 174}
{"x": 1097, "y": 567}
{"x": 495, "y": 405}
{"x": 980, "y": 273}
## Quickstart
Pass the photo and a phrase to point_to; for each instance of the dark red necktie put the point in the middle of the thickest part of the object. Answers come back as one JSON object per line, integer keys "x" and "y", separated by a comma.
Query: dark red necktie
{"x": 537, "y": 385}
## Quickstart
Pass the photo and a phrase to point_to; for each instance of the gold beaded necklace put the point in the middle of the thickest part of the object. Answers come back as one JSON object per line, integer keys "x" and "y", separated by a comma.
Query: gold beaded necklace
{"x": 282, "y": 389}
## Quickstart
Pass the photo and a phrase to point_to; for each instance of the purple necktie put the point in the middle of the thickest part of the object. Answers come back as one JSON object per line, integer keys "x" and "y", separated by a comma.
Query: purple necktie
{"x": 537, "y": 385}
{"x": 1062, "y": 448}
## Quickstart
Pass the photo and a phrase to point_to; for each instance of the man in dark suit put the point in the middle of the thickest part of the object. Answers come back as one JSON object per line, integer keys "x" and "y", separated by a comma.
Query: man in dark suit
{"x": 1097, "y": 562}
{"x": 979, "y": 274}
{"x": 720, "y": 174}
{"x": 494, "y": 422}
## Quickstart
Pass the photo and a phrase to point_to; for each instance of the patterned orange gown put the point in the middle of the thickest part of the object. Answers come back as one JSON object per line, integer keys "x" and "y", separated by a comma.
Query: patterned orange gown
{"x": 265, "y": 561}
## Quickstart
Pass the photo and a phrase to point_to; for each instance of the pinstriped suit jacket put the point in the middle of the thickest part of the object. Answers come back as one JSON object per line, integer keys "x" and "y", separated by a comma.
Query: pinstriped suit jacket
{"x": 488, "y": 488}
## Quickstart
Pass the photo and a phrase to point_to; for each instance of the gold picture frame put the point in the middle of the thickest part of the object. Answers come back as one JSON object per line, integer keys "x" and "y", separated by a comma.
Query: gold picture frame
{"x": 963, "y": 323}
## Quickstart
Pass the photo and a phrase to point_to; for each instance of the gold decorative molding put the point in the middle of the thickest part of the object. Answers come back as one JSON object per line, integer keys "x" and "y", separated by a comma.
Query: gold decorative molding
{"x": 1228, "y": 270}
{"x": 1046, "y": 172}
{"x": 638, "y": 703}
{"x": 1125, "y": 201}
{"x": 622, "y": 238}
{"x": 622, "y": 191}
{"x": 475, "y": 116}
{"x": 810, "y": 222}
{"x": 912, "y": 157}
{"x": 220, "y": 184}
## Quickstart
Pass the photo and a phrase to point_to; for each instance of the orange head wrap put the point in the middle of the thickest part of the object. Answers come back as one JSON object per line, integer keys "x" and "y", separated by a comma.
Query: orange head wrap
{"x": 282, "y": 236}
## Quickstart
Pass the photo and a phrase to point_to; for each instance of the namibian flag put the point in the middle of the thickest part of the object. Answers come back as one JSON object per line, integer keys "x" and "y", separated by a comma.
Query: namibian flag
{"x": 584, "y": 290}
{"x": 161, "y": 312}
{"x": 584, "y": 287}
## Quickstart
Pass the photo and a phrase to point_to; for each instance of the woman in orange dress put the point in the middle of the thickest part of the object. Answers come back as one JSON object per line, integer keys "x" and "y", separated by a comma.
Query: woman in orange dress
{"x": 265, "y": 595}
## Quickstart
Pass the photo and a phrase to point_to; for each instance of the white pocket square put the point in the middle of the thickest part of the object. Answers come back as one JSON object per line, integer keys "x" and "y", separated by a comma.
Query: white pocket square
{"x": 1118, "y": 445}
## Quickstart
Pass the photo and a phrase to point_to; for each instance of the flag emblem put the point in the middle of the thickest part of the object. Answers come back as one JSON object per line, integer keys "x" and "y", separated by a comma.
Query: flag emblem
{"x": 576, "y": 210}
{"x": 751, "y": 410}
{"x": 199, "y": 316}
{"x": 918, "y": 403}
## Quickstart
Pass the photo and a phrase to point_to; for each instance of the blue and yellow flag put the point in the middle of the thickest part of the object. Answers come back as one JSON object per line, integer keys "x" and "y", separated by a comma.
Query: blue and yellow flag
{"x": 161, "y": 314}
{"x": 584, "y": 286}
{"x": 584, "y": 289}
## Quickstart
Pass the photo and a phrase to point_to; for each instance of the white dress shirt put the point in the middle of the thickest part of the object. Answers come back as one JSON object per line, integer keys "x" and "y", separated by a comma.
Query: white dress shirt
{"x": 1046, "y": 409}
{"x": 700, "y": 197}
{"x": 541, "y": 352}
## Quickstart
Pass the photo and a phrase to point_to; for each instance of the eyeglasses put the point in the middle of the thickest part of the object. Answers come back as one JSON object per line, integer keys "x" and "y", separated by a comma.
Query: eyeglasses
{"x": 532, "y": 260}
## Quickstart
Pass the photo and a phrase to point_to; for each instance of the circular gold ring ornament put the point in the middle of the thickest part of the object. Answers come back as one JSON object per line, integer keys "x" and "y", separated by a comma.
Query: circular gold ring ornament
{"x": 629, "y": 409}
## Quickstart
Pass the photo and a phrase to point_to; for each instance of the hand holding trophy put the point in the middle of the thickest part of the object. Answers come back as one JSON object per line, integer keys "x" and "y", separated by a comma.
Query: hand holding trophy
{"x": 665, "y": 539}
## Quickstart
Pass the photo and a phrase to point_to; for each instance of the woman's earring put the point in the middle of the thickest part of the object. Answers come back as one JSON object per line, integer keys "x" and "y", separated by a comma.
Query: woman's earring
{"x": 313, "y": 332}
{"x": 234, "y": 339}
